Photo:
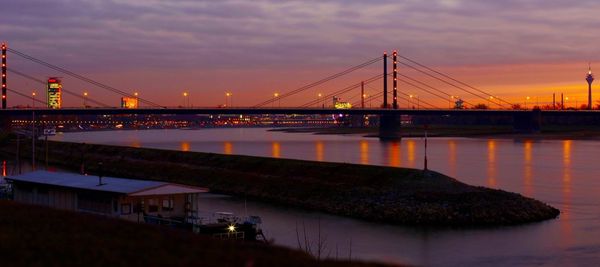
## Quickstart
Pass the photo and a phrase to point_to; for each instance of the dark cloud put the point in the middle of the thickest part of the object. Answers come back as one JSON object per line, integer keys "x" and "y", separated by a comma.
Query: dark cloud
{"x": 269, "y": 34}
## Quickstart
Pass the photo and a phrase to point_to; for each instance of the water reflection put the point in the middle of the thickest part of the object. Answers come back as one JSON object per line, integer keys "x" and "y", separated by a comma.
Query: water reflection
{"x": 411, "y": 152}
{"x": 275, "y": 150}
{"x": 527, "y": 172}
{"x": 185, "y": 146}
{"x": 563, "y": 174}
{"x": 364, "y": 152}
{"x": 567, "y": 163}
{"x": 135, "y": 143}
{"x": 394, "y": 154}
{"x": 319, "y": 149}
{"x": 452, "y": 157}
{"x": 227, "y": 148}
{"x": 565, "y": 216}
{"x": 491, "y": 170}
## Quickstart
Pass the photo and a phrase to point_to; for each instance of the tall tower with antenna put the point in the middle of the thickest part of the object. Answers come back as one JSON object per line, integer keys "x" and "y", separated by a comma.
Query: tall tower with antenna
{"x": 590, "y": 80}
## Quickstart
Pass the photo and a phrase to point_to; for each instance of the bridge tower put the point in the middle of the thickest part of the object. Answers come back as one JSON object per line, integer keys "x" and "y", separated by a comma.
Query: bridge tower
{"x": 395, "y": 82}
{"x": 590, "y": 80}
{"x": 4, "y": 75}
{"x": 385, "y": 103}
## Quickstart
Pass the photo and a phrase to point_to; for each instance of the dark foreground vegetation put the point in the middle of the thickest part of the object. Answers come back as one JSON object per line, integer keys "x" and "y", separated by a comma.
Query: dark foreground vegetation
{"x": 40, "y": 236}
{"x": 385, "y": 194}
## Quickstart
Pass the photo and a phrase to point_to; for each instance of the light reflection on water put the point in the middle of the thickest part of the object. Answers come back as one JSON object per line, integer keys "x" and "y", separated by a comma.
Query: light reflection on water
{"x": 561, "y": 173}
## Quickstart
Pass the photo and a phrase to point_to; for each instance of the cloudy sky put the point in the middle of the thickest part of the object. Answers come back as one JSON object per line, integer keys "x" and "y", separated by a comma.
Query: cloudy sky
{"x": 510, "y": 48}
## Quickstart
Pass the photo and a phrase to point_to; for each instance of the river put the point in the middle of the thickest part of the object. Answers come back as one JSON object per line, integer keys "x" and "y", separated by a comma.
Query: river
{"x": 564, "y": 174}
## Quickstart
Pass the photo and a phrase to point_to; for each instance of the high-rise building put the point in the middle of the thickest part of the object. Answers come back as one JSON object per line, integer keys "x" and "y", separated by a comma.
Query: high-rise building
{"x": 589, "y": 79}
{"x": 129, "y": 102}
{"x": 54, "y": 93}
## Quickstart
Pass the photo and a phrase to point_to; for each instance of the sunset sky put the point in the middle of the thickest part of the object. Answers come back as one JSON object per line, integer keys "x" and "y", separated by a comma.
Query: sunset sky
{"x": 510, "y": 48}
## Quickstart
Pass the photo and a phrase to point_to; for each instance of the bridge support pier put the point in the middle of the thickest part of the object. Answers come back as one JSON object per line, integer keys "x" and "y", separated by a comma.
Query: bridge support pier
{"x": 528, "y": 121}
{"x": 389, "y": 128}
{"x": 5, "y": 123}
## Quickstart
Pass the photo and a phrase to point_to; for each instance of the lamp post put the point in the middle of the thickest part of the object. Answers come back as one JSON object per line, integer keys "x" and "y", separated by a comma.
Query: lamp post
{"x": 137, "y": 99}
{"x": 186, "y": 99}
{"x": 33, "y": 100}
{"x": 228, "y": 99}
{"x": 527, "y": 98}
{"x": 362, "y": 102}
{"x": 275, "y": 96}
{"x": 319, "y": 95}
{"x": 409, "y": 99}
{"x": 85, "y": 95}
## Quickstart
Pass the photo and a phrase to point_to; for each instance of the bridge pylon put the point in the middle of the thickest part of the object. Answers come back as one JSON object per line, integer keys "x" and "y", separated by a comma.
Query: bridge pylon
{"x": 390, "y": 127}
{"x": 385, "y": 101}
{"x": 395, "y": 82}
{"x": 528, "y": 122}
{"x": 3, "y": 47}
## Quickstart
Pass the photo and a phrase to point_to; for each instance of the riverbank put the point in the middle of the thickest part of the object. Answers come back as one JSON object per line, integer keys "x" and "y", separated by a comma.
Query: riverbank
{"x": 384, "y": 194}
{"x": 40, "y": 236}
{"x": 571, "y": 132}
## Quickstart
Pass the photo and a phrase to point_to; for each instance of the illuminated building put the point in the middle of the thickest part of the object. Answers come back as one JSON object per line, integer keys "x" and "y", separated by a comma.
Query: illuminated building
{"x": 129, "y": 102}
{"x": 338, "y": 104}
{"x": 54, "y": 94}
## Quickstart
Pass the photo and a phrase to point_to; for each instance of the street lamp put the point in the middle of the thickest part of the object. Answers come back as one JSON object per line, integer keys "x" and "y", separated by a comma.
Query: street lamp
{"x": 408, "y": 100}
{"x": 362, "y": 102}
{"x": 85, "y": 95}
{"x": 33, "y": 100}
{"x": 319, "y": 95}
{"x": 275, "y": 96}
{"x": 527, "y": 98}
{"x": 186, "y": 99}
{"x": 230, "y": 96}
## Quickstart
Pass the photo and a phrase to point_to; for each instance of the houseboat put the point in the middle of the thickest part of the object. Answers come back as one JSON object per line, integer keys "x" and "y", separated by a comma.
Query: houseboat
{"x": 146, "y": 201}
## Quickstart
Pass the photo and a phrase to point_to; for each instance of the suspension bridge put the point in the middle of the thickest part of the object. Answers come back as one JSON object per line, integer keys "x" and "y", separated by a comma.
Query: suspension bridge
{"x": 359, "y": 93}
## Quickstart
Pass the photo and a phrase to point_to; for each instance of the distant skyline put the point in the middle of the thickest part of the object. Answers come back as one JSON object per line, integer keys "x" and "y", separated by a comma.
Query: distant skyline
{"x": 255, "y": 48}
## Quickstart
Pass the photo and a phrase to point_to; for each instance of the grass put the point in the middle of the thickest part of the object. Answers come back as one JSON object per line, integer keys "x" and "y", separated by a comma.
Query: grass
{"x": 40, "y": 236}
